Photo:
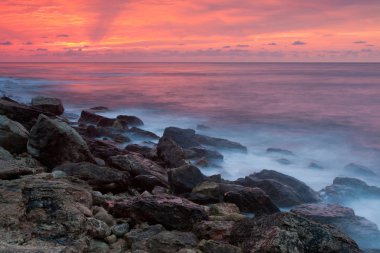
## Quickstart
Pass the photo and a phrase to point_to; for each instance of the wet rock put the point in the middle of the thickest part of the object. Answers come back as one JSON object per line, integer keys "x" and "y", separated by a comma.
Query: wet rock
{"x": 170, "y": 153}
{"x": 354, "y": 169}
{"x": 102, "y": 179}
{"x": 53, "y": 105}
{"x": 187, "y": 138}
{"x": 146, "y": 183}
{"x": 279, "y": 151}
{"x": 103, "y": 149}
{"x": 140, "y": 133}
{"x": 284, "y": 190}
{"x": 214, "y": 230}
{"x": 5, "y": 155}
{"x": 131, "y": 120}
{"x": 223, "y": 209}
{"x": 97, "y": 228}
{"x": 200, "y": 152}
{"x": 363, "y": 231}
{"x": 99, "y": 109}
{"x": 88, "y": 117}
{"x": 172, "y": 212}
{"x": 345, "y": 189}
{"x": 13, "y": 136}
{"x": 171, "y": 242}
{"x": 101, "y": 214}
{"x": 137, "y": 238}
{"x": 120, "y": 246}
{"x": 53, "y": 142}
{"x": 185, "y": 178}
{"x": 211, "y": 246}
{"x": 136, "y": 165}
{"x": 287, "y": 232}
{"x": 120, "y": 230}
{"x": 10, "y": 170}
{"x": 98, "y": 247}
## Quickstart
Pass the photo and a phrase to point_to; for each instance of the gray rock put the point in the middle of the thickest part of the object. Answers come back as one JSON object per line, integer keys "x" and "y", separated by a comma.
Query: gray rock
{"x": 13, "y": 136}
{"x": 98, "y": 247}
{"x": 170, "y": 153}
{"x": 217, "y": 247}
{"x": 120, "y": 229}
{"x": 171, "y": 242}
{"x": 53, "y": 105}
{"x": 137, "y": 238}
{"x": 97, "y": 228}
{"x": 185, "y": 178}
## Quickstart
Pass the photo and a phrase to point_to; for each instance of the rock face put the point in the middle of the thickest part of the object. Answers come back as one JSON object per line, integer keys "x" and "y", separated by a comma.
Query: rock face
{"x": 284, "y": 190}
{"x": 248, "y": 199}
{"x": 102, "y": 179}
{"x": 144, "y": 134}
{"x": 54, "y": 142}
{"x": 131, "y": 120}
{"x": 346, "y": 189}
{"x": 41, "y": 213}
{"x": 185, "y": 178}
{"x": 363, "y": 231}
{"x": 13, "y": 136}
{"x": 172, "y": 212}
{"x": 287, "y": 232}
{"x": 170, "y": 153}
{"x": 53, "y": 105}
{"x": 187, "y": 138}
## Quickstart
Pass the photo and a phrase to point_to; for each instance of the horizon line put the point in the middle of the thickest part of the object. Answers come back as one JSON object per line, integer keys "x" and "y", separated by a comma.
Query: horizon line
{"x": 221, "y": 62}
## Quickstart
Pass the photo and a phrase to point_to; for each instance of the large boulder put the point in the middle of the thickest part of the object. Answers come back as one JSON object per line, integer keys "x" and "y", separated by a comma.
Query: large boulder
{"x": 287, "y": 232}
{"x": 183, "y": 179}
{"x": 130, "y": 120}
{"x": 172, "y": 212}
{"x": 53, "y": 105}
{"x": 187, "y": 138}
{"x": 170, "y": 153}
{"x": 248, "y": 199}
{"x": 103, "y": 149}
{"x": 284, "y": 190}
{"x": 139, "y": 133}
{"x": 101, "y": 178}
{"x": 13, "y": 135}
{"x": 363, "y": 231}
{"x": 54, "y": 142}
{"x": 345, "y": 189}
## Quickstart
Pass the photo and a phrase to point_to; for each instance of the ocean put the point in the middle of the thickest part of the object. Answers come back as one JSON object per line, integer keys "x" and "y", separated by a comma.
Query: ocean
{"x": 325, "y": 113}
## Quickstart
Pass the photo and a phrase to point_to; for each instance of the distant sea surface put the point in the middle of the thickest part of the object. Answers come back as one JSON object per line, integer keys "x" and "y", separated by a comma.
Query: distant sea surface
{"x": 324, "y": 112}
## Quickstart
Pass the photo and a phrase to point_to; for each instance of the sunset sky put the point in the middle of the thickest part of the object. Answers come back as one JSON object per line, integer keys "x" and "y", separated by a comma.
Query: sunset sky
{"x": 190, "y": 30}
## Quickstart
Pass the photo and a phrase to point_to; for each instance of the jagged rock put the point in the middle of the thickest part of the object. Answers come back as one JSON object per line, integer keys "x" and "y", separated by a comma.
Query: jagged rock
{"x": 354, "y": 169}
{"x": 363, "y": 231}
{"x": 53, "y": 142}
{"x": 172, "y": 212}
{"x": 98, "y": 247}
{"x": 97, "y": 228}
{"x": 13, "y": 136}
{"x": 89, "y": 117}
{"x": 137, "y": 238}
{"x": 211, "y": 246}
{"x": 136, "y": 165}
{"x": 5, "y": 155}
{"x": 170, "y": 153}
{"x": 102, "y": 179}
{"x": 146, "y": 183}
{"x": 284, "y": 190}
{"x": 103, "y": 149}
{"x": 287, "y": 232}
{"x": 214, "y": 230}
{"x": 101, "y": 214}
{"x": 12, "y": 170}
{"x": 53, "y": 105}
{"x": 200, "y": 152}
{"x": 142, "y": 150}
{"x": 131, "y": 120}
{"x": 120, "y": 230}
{"x": 223, "y": 209}
{"x": 187, "y": 138}
{"x": 171, "y": 242}
{"x": 140, "y": 133}
{"x": 345, "y": 189}
{"x": 185, "y": 178}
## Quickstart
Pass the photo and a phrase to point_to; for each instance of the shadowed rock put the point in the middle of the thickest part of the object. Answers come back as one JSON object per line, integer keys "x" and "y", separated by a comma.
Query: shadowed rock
{"x": 354, "y": 169}
{"x": 170, "y": 153}
{"x": 53, "y": 105}
{"x": 131, "y": 120}
{"x": 13, "y": 135}
{"x": 183, "y": 179}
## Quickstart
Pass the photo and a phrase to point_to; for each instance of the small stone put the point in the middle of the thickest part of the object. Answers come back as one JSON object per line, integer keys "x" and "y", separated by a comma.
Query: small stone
{"x": 98, "y": 247}
{"x": 120, "y": 230}
{"x": 101, "y": 214}
{"x": 97, "y": 228}
{"x": 110, "y": 239}
{"x": 58, "y": 174}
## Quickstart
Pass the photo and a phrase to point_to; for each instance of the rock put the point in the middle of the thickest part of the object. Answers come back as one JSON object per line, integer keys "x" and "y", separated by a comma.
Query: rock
{"x": 142, "y": 150}
{"x": 248, "y": 199}
{"x": 284, "y": 190}
{"x": 97, "y": 228}
{"x": 13, "y": 136}
{"x": 137, "y": 238}
{"x": 172, "y": 212}
{"x": 140, "y": 133}
{"x": 54, "y": 142}
{"x": 102, "y": 179}
{"x": 363, "y": 231}
{"x": 223, "y": 209}
{"x": 287, "y": 232}
{"x": 103, "y": 149}
{"x": 99, "y": 109}
{"x": 10, "y": 170}
{"x": 101, "y": 214}
{"x": 185, "y": 178}
{"x": 170, "y": 153}
{"x": 345, "y": 189}
{"x": 23, "y": 114}
{"x": 53, "y": 105}
{"x": 89, "y": 117}
{"x": 171, "y": 242}
{"x": 214, "y": 230}
{"x": 284, "y": 161}
{"x": 98, "y": 247}
{"x": 354, "y": 169}
{"x": 146, "y": 183}
{"x": 202, "y": 127}
{"x": 217, "y": 247}
{"x": 187, "y": 138}
{"x": 5, "y": 155}
{"x": 120, "y": 246}
{"x": 279, "y": 151}
{"x": 131, "y": 120}
{"x": 315, "y": 165}
{"x": 200, "y": 152}
{"x": 110, "y": 239}
{"x": 120, "y": 230}
{"x": 136, "y": 165}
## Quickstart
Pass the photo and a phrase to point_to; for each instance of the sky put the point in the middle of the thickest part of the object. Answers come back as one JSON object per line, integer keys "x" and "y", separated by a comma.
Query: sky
{"x": 190, "y": 30}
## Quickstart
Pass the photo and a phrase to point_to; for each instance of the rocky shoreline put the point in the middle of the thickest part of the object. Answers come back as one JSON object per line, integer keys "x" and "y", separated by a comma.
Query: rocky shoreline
{"x": 69, "y": 187}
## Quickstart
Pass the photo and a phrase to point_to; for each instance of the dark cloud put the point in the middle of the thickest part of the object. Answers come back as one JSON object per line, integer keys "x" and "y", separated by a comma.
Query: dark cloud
{"x": 5, "y": 43}
{"x": 63, "y": 36}
{"x": 298, "y": 43}
{"x": 360, "y": 42}
{"x": 242, "y": 45}
{"x": 28, "y": 43}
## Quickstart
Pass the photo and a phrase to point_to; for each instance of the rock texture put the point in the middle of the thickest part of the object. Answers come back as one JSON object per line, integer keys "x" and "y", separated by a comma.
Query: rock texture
{"x": 53, "y": 105}
{"x": 13, "y": 136}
